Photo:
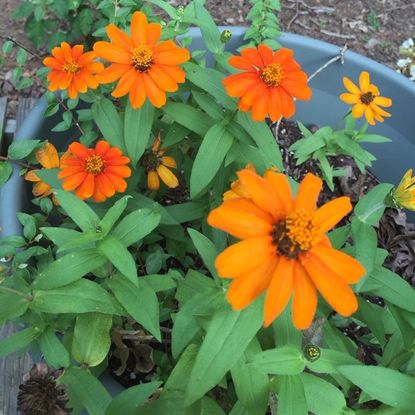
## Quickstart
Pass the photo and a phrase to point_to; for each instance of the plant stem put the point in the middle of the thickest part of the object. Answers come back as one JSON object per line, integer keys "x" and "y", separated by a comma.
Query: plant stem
{"x": 27, "y": 166}
{"x": 30, "y": 52}
{"x": 74, "y": 119}
{"x": 339, "y": 57}
{"x": 19, "y": 293}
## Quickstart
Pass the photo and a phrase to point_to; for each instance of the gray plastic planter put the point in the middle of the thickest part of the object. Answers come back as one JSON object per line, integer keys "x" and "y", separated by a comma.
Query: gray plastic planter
{"x": 325, "y": 108}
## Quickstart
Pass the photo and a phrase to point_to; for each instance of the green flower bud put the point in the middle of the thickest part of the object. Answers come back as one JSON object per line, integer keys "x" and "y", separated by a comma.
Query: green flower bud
{"x": 226, "y": 36}
{"x": 180, "y": 11}
{"x": 311, "y": 352}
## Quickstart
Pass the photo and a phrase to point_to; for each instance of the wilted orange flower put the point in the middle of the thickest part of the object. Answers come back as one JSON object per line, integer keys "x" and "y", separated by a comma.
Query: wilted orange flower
{"x": 158, "y": 166}
{"x": 284, "y": 250}
{"x": 96, "y": 173}
{"x": 403, "y": 196}
{"x": 366, "y": 99}
{"x": 145, "y": 67}
{"x": 269, "y": 82}
{"x": 72, "y": 69}
{"x": 48, "y": 158}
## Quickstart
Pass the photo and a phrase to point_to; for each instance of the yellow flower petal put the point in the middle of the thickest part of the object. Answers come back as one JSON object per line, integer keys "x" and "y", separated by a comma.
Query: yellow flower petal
{"x": 153, "y": 182}
{"x": 167, "y": 176}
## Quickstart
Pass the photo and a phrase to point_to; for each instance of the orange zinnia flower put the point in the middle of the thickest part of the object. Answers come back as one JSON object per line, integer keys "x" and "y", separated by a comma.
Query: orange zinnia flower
{"x": 96, "y": 173}
{"x": 366, "y": 99}
{"x": 269, "y": 82}
{"x": 48, "y": 158}
{"x": 157, "y": 166}
{"x": 284, "y": 249}
{"x": 145, "y": 67}
{"x": 72, "y": 69}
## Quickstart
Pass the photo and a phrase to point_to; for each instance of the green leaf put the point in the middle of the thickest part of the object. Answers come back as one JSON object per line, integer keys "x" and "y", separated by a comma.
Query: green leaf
{"x": 140, "y": 302}
{"x": 129, "y": 400}
{"x": 82, "y": 296}
{"x": 386, "y": 385}
{"x": 251, "y": 386}
{"x": 11, "y": 306}
{"x": 136, "y": 226}
{"x": 392, "y": 288}
{"x": 215, "y": 145}
{"x": 284, "y": 331}
{"x": 113, "y": 214}
{"x": 91, "y": 338}
{"x": 7, "y": 47}
{"x": 109, "y": 122}
{"x": 228, "y": 335}
{"x": 20, "y": 149}
{"x": 19, "y": 341}
{"x": 290, "y": 390}
{"x": 322, "y": 397}
{"x": 210, "y": 81}
{"x": 50, "y": 176}
{"x": 372, "y": 138}
{"x": 6, "y": 171}
{"x": 366, "y": 242}
{"x": 285, "y": 360}
{"x": 264, "y": 139}
{"x": 137, "y": 129}
{"x": 78, "y": 210}
{"x": 170, "y": 10}
{"x": 206, "y": 249}
{"x": 370, "y": 207}
{"x": 330, "y": 360}
{"x": 29, "y": 225}
{"x": 186, "y": 325}
{"x": 68, "y": 268}
{"x": 189, "y": 117}
{"x": 120, "y": 257}
{"x": 21, "y": 56}
{"x": 209, "y": 105}
{"x": 53, "y": 350}
{"x": 87, "y": 389}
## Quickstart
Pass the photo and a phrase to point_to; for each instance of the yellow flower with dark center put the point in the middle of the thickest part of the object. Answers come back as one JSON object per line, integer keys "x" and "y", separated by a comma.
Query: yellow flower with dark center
{"x": 403, "y": 196}
{"x": 366, "y": 99}
{"x": 48, "y": 158}
{"x": 158, "y": 167}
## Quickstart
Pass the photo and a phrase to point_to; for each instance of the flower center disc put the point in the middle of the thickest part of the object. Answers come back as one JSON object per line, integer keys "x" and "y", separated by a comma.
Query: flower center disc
{"x": 142, "y": 58}
{"x": 367, "y": 98}
{"x": 296, "y": 234}
{"x": 71, "y": 67}
{"x": 95, "y": 164}
{"x": 150, "y": 161}
{"x": 272, "y": 74}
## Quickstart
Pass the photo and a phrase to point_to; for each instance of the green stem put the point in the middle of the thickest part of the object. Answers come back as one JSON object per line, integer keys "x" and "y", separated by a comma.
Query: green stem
{"x": 19, "y": 293}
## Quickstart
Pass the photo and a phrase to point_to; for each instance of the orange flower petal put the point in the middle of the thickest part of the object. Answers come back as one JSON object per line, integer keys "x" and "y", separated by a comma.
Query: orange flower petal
{"x": 283, "y": 55}
{"x": 118, "y": 37}
{"x": 87, "y": 187}
{"x": 350, "y": 86}
{"x": 252, "y": 55}
{"x": 112, "y": 73}
{"x": 79, "y": 150}
{"x": 282, "y": 186}
{"x": 247, "y": 287}
{"x": 260, "y": 107}
{"x": 125, "y": 83}
{"x": 332, "y": 212}
{"x": 167, "y": 53}
{"x": 167, "y": 176}
{"x": 119, "y": 183}
{"x": 262, "y": 193}
{"x": 279, "y": 291}
{"x": 358, "y": 110}
{"x": 112, "y": 53}
{"x": 153, "y": 33}
{"x": 349, "y": 98}
{"x": 382, "y": 101}
{"x": 241, "y": 63}
{"x": 73, "y": 181}
{"x": 340, "y": 263}
{"x": 169, "y": 162}
{"x": 52, "y": 63}
{"x": 31, "y": 176}
{"x": 304, "y": 303}
{"x": 265, "y": 53}
{"x": 364, "y": 81}
{"x": 122, "y": 171}
{"x": 156, "y": 95}
{"x": 139, "y": 28}
{"x": 175, "y": 72}
{"x": 162, "y": 79}
{"x": 331, "y": 286}
{"x": 104, "y": 185}
{"x": 69, "y": 171}
{"x": 48, "y": 156}
{"x": 41, "y": 189}
{"x": 245, "y": 256}
{"x": 287, "y": 103}
{"x": 308, "y": 192}
{"x": 138, "y": 92}
{"x": 153, "y": 182}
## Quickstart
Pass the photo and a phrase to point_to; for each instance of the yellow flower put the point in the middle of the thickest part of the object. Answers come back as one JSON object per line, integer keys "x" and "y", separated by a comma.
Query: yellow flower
{"x": 365, "y": 99}
{"x": 403, "y": 196}
{"x": 48, "y": 158}
{"x": 158, "y": 167}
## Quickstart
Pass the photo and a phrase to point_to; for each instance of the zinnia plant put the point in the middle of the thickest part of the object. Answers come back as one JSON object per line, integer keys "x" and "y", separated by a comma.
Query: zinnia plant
{"x": 175, "y": 241}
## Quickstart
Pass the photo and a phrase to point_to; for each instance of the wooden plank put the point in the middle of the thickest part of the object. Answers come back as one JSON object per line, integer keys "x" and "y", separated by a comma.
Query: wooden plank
{"x": 13, "y": 367}
{"x": 3, "y": 107}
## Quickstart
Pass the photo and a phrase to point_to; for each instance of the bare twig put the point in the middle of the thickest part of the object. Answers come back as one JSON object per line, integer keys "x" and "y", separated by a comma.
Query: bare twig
{"x": 24, "y": 165}
{"x": 303, "y": 25}
{"x": 30, "y": 52}
{"x": 341, "y": 36}
{"x": 297, "y": 5}
{"x": 339, "y": 57}
{"x": 277, "y": 128}
{"x": 74, "y": 119}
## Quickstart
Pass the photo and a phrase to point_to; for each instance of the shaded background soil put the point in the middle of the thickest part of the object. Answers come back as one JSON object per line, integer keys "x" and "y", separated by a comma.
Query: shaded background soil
{"x": 374, "y": 28}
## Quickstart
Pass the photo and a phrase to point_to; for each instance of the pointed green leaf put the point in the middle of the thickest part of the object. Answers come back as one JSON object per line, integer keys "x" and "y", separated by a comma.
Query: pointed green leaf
{"x": 19, "y": 341}
{"x": 53, "y": 350}
{"x": 113, "y": 214}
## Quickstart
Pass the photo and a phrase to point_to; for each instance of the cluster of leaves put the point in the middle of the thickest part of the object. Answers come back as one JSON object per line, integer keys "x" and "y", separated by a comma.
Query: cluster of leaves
{"x": 82, "y": 271}
{"x": 327, "y": 142}
{"x": 264, "y": 27}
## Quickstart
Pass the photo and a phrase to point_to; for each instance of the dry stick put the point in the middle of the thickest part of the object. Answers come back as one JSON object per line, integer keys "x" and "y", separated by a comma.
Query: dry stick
{"x": 297, "y": 5}
{"x": 26, "y": 166}
{"x": 30, "y": 52}
{"x": 339, "y": 57}
{"x": 74, "y": 119}
{"x": 341, "y": 36}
